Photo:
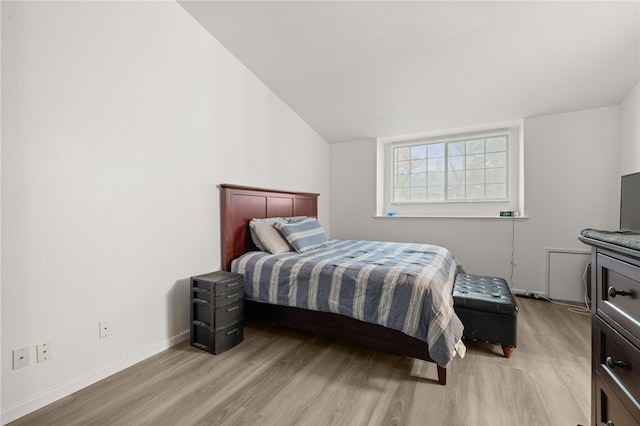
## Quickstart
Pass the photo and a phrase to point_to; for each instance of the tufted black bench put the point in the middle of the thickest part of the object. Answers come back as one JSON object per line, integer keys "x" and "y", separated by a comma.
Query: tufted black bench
{"x": 487, "y": 310}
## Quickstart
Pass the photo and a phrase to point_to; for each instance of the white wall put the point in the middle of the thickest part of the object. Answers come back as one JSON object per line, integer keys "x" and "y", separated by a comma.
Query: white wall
{"x": 571, "y": 183}
{"x": 118, "y": 122}
{"x": 1, "y": 351}
{"x": 630, "y": 132}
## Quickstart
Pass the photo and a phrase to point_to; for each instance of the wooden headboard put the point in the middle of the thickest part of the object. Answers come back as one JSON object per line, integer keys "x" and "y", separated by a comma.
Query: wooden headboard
{"x": 240, "y": 204}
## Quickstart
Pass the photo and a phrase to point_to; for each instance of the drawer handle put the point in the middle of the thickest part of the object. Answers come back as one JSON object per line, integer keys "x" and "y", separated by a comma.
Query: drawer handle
{"x": 613, "y": 292}
{"x": 235, "y": 330}
{"x": 233, "y": 309}
{"x": 233, "y": 296}
{"x": 611, "y": 363}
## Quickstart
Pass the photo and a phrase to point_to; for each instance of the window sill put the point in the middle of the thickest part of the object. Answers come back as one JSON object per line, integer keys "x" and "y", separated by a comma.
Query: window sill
{"x": 451, "y": 217}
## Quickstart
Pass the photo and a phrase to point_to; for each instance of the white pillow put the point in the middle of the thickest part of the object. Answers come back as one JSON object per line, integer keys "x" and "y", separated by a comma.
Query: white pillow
{"x": 271, "y": 221}
{"x": 272, "y": 240}
{"x": 254, "y": 236}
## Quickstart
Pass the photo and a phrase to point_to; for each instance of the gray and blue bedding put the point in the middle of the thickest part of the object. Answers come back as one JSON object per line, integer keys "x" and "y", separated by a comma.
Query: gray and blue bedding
{"x": 406, "y": 287}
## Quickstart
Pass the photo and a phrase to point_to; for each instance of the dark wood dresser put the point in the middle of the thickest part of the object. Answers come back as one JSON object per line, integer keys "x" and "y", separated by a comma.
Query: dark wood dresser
{"x": 615, "y": 316}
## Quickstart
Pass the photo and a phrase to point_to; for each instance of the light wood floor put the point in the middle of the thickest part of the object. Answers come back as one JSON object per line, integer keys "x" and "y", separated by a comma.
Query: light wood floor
{"x": 283, "y": 377}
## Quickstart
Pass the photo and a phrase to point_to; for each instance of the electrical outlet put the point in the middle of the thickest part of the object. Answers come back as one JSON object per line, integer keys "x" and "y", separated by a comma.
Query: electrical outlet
{"x": 20, "y": 357}
{"x": 105, "y": 329}
{"x": 43, "y": 351}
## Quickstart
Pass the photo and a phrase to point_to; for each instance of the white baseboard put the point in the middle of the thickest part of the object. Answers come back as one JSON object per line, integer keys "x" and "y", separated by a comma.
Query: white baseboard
{"x": 48, "y": 396}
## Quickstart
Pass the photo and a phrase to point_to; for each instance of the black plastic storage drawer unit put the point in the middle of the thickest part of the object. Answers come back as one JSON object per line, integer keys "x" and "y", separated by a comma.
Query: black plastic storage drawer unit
{"x": 217, "y": 311}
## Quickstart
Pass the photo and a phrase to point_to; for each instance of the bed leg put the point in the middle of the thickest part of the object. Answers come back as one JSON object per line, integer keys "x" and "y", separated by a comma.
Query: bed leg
{"x": 508, "y": 350}
{"x": 442, "y": 375}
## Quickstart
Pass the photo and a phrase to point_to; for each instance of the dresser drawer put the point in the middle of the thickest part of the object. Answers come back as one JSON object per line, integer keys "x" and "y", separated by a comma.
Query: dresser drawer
{"x": 231, "y": 284}
{"x": 229, "y": 314}
{"x": 609, "y": 409}
{"x": 229, "y": 298}
{"x": 617, "y": 360}
{"x": 217, "y": 283}
{"x": 618, "y": 294}
{"x": 228, "y": 337}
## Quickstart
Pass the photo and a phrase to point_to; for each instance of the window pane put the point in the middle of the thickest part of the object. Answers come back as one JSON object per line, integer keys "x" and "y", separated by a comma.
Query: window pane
{"x": 418, "y": 166}
{"x": 496, "y": 159}
{"x": 418, "y": 194}
{"x": 436, "y": 193}
{"x": 435, "y": 179}
{"x": 475, "y": 177}
{"x": 475, "y": 161}
{"x": 402, "y": 194}
{"x": 403, "y": 167}
{"x": 435, "y": 165}
{"x": 403, "y": 153}
{"x": 456, "y": 192}
{"x": 418, "y": 180}
{"x": 498, "y": 175}
{"x": 456, "y": 178}
{"x": 497, "y": 144}
{"x": 435, "y": 150}
{"x": 456, "y": 148}
{"x": 403, "y": 181}
{"x": 496, "y": 191}
{"x": 475, "y": 192}
{"x": 456, "y": 163}
{"x": 475, "y": 146}
{"x": 419, "y": 151}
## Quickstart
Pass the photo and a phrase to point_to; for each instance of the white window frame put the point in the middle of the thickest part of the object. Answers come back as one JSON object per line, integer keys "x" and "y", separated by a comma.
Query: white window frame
{"x": 454, "y": 208}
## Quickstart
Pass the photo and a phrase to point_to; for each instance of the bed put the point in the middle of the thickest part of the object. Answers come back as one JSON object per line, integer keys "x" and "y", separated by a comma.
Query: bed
{"x": 241, "y": 204}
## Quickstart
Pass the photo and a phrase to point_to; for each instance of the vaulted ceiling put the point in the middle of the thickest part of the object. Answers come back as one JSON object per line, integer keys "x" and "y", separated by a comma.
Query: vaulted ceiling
{"x": 367, "y": 69}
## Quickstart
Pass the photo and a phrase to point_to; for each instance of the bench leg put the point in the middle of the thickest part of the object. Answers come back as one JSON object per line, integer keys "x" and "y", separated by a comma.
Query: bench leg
{"x": 508, "y": 350}
{"x": 442, "y": 375}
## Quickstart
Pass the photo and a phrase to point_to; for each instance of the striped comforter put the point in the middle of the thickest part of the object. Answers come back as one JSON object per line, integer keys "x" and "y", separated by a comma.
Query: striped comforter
{"x": 406, "y": 287}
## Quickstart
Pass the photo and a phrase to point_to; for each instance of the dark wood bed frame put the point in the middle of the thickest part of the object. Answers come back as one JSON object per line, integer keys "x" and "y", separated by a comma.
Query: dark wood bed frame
{"x": 240, "y": 204}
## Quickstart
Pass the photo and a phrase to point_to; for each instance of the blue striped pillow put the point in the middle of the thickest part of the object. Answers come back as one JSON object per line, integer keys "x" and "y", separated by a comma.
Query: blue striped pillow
{"x": 304, "y": 235}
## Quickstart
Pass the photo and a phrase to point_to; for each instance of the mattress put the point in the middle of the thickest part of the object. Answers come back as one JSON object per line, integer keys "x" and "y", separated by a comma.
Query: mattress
{"x": 406, "y": 287}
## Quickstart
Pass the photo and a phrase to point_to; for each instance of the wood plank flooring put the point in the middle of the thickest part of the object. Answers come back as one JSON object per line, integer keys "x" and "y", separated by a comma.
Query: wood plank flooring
{"x": 283, "y": 377}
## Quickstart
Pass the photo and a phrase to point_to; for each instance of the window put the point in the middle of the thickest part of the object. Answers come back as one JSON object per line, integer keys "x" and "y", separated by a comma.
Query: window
{"x": 471, "y": 173}
{"x": 470, "y": 169}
